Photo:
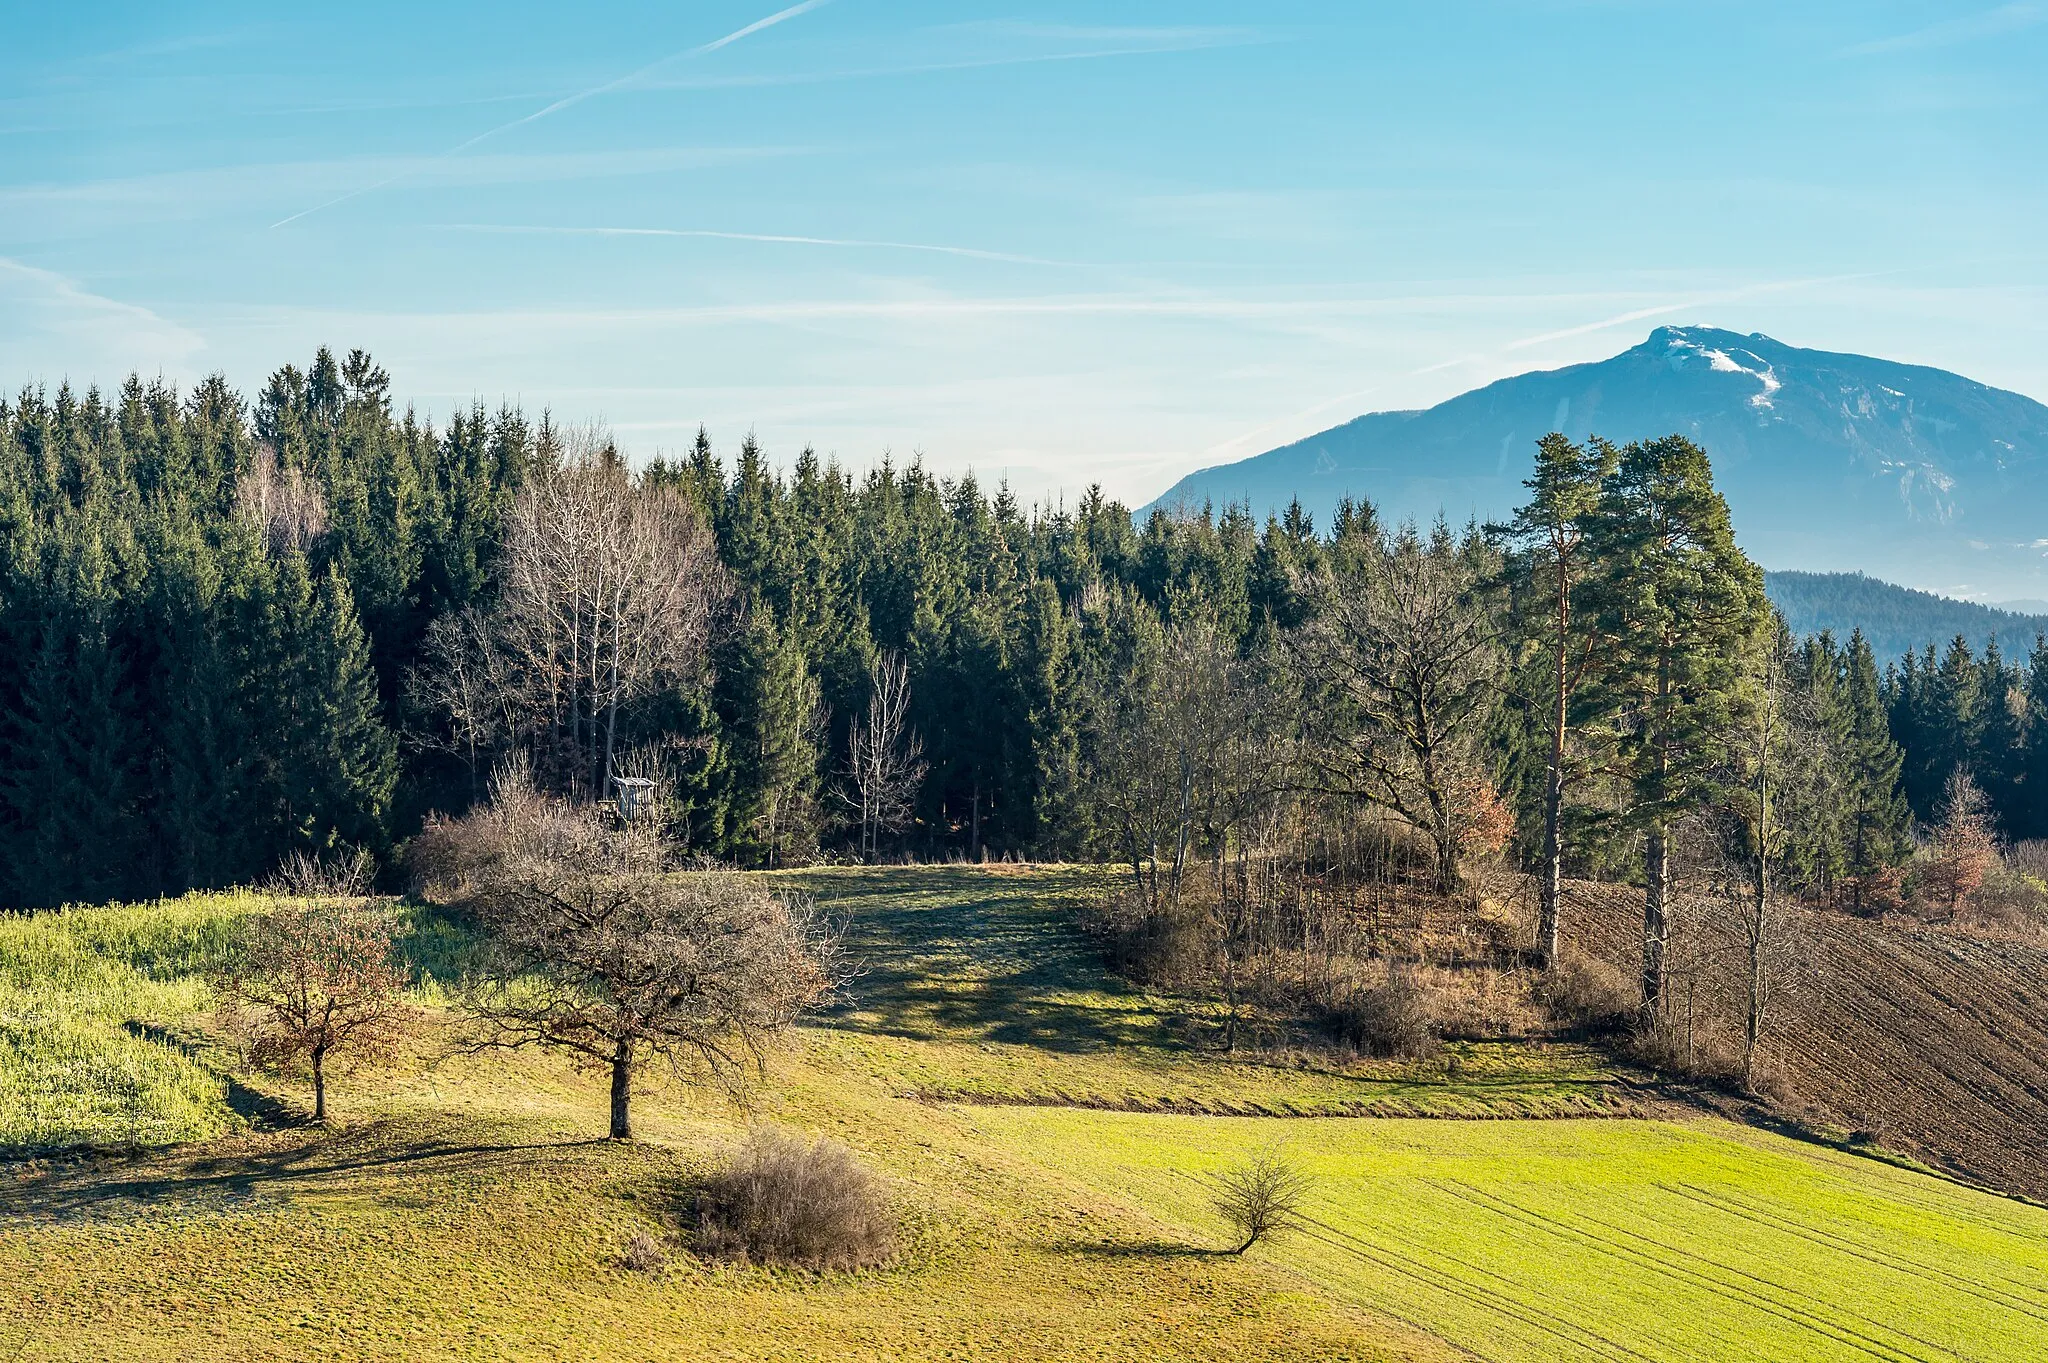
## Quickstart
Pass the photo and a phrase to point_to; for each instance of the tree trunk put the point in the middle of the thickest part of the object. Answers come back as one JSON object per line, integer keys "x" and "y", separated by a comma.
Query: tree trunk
{"x": 1548, "y": 929}
{"x": 1656, "y": 918}
{"x": 1759, "y": 925}
{"x": 320, "y": 1085}
{"x": 622, "y": 1092}
{"x": 1450, "y": 876}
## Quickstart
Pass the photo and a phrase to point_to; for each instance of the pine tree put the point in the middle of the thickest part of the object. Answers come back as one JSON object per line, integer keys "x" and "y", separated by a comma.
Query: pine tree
{"x": 1550, "y": 534}
{"x": 1047, "y": 677}
{"x": 1680, "y": 605}
{"x": 335, "y": 763}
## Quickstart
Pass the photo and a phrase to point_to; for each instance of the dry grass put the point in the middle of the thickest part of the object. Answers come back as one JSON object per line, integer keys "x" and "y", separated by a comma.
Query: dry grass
{"x": 467, "y": 1209}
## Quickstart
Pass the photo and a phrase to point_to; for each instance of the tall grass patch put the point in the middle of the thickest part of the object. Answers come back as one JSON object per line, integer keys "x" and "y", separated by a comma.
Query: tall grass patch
{"x": 83, "y": 995}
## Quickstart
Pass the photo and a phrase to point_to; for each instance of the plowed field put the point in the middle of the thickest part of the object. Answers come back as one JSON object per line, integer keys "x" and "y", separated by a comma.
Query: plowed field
{"x": 1933, "y": 1042}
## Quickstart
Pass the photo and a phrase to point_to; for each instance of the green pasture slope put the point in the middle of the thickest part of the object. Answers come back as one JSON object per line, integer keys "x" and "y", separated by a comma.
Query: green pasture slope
{"x": 1047, "y": 1133}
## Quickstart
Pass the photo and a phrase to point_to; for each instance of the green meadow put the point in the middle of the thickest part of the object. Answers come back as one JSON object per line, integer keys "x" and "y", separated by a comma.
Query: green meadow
{"x": 1046, "y": 1133}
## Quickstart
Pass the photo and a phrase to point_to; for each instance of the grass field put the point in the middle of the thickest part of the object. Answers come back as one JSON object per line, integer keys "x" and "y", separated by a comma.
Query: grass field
{"x": 1044, "y": 1130}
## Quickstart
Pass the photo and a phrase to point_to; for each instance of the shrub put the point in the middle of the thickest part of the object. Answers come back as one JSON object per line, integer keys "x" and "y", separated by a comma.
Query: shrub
{"x": 644, "y": 1254}
{"x": 2014, "y": 895}
{"x": 1583, "y": 992}
{"x": 1393, "y": 1020}
{"x": 1157, "y": 945}
{"x": 811, "y": 1205}
{"x": 1261, "y": 1197}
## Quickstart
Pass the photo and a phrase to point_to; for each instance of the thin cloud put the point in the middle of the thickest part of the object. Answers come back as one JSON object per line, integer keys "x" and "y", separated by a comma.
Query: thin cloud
{"x": 703, "y": 49}
{"x": 929, "y": 68}
{"x": 1205, "y": 36}
{"x": 567, "y": 101}
{"x": 925, "y": 308}
{"x": 1623, "y": 319}
{"x": 773, "y": 238}
{"x": 41, "y": 304}
{"x": 1665, "y": 309}
{"x": 1949, "y": 32}
{"x": 185, "y": 189}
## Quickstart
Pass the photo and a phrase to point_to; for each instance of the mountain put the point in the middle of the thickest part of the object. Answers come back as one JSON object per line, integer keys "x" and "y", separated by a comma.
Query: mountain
{"x": 1830, "y": 462}
{"x": 1896, "y": 619}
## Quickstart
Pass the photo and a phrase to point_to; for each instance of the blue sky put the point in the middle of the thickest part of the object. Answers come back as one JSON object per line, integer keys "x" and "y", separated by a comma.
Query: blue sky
{"x": 1065, "y": 243}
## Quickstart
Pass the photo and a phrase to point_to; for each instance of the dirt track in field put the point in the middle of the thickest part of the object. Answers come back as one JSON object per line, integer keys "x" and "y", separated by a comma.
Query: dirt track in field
{"x": 1934, "y": 1042}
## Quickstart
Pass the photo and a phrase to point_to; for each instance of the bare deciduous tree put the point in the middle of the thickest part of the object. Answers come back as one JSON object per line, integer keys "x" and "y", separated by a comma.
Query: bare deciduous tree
{"x": 317, "y": 976}
{"x": 607, "y": 591}
{"x": 600, "y": 949}
{"x": 1262, "y": 1197}
{"x": 1776, "y": 752}
{"x": 284, "y": 503}
{"x": 885, "y": 757}
{"x": 1188, "y": 753}
{"x": 1401, "y": 662}
{"x": 1964, "y": 849}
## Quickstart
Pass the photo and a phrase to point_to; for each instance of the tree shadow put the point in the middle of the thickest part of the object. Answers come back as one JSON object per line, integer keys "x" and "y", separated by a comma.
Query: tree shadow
{"x": 262, "y": 1111}
{"x": 201, "y": 1180}
{"x": 943, "y": 955}
{"x": 1137, "y": 1249}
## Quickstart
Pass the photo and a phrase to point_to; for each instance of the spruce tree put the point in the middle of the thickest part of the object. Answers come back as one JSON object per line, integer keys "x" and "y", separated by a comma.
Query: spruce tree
{"x": 1997, "y": 756}
{"x": 2031, "y": 775}
{"x": 785, "y": 723}
{"x": 1877, "y": 820}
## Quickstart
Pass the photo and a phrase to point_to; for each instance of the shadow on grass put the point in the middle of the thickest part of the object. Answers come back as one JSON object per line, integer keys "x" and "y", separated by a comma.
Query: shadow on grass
{"x": 961, "y": 954}
{"x": 262, "y": 1111}
{"x": 1137, "y": 1249}
{"x": 214, "y": 1181}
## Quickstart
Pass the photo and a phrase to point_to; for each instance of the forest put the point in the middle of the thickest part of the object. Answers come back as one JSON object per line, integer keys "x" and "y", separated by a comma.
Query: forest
{"x": 234, "y": 630}
{"x": 1895, "y": 619}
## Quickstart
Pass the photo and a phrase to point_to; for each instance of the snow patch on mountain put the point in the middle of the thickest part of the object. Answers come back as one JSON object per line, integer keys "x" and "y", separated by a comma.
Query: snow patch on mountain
{"x": 1682, "y": 349}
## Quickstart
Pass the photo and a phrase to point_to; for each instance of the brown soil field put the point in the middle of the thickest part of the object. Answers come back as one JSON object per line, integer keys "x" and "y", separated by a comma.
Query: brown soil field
{"x": 1917, "y": 1038}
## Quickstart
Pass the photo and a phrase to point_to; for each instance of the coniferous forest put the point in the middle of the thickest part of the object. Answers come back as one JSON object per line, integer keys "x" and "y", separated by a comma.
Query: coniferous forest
{"x": 235, "y": 629}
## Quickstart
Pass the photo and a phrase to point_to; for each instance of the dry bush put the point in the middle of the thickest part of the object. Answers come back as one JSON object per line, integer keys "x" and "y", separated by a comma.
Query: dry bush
{"x": 1477, "y": 1003}
{"x": 2013, "y": 898}
{"x": 1702, "y": 1046}
{"x": 1163, "y": 945}
{"x": 644, "y": 1254}
{"x": 1395, "y": 1019}
{"x": 1587, "y": 993}
{"x": 348, "y": 875}
{"x": 810, "y": 1205}
{"x": 1262, "y": 1197}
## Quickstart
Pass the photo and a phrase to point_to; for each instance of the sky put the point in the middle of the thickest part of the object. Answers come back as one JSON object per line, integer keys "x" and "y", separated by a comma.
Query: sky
{"x": 1058, "y": 243}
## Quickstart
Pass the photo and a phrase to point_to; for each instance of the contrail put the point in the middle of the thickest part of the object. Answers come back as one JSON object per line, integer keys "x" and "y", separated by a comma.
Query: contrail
{"x": 566, "y": 101}
{"x": 973, "y": 253}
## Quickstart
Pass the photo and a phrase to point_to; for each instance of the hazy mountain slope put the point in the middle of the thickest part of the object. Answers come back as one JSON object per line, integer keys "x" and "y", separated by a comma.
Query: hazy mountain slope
{"x": 1831, "y": 462}
{"x": 1895, "y": 619}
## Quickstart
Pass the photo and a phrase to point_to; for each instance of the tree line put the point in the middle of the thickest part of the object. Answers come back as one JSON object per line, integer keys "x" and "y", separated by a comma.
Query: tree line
{"x": 235, "y": 630}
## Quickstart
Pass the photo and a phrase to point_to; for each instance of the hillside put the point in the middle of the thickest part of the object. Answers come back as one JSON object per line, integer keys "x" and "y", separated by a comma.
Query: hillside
{"x": 1895, "y": 619}
{"x": 1830, "y": 462}
{"x": 1933, "y": 1042}
{"x": 1047, "y": 1133}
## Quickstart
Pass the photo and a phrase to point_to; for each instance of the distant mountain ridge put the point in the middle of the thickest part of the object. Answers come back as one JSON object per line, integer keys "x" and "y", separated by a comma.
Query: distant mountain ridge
{"x": 1830, "y": 462}
{"x": 1895, "y": 619}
